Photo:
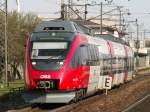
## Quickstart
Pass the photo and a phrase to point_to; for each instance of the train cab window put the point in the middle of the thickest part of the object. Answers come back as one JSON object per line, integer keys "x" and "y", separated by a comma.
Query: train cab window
{"x": 48, "y": 56}
{"x": 48, "y": 50}
{"x": 85, "y": 55}
{"x": 80, "y": 57}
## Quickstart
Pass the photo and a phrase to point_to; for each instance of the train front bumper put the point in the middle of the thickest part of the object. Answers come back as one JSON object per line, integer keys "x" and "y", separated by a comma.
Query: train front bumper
{"x": 52, "y": 97}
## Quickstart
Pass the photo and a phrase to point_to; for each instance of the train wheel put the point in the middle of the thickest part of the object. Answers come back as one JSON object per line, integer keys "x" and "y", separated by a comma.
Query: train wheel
{"x": 76, "y": 96}
{"x": 84, "y": 93}
{"x": 80, "y": 94}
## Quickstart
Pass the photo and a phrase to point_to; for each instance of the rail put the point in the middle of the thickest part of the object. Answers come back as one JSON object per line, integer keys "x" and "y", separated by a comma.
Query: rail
{"x": 136, "y": 104}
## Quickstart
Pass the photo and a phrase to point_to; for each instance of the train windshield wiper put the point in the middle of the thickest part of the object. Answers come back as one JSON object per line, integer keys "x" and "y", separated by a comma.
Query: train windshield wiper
{"x": 60, "y": 56}
{"x": 55, "y": 58}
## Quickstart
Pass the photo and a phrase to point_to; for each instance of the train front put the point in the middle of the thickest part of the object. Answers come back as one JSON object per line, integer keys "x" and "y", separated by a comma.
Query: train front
{"x": 45, "y": 67}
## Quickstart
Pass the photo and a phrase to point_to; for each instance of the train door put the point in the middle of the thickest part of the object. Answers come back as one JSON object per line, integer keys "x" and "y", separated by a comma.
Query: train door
{"x": 130, "y": 70}
{"x": 117, "y": 65}
{"x": 126, "y": 64}
{"x": 114, "y": 68}
{"x": 105, "y": 63}
{"x": 93, "y": 79}
{"x": 130, "y": 63}
{"x": 94, "y": 68}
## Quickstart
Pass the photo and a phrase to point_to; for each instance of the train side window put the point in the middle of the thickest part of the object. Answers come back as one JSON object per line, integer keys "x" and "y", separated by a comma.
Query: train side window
{"x": 106, "y": 66}
{"x": 114, "y": 65}
{"x": 89, "y": 53}
{"x": 93, "y": 55}
{"x": 132, "y": 63}
{"x": 122, "y": 65}
{"x": 127, "y": 64}
{"x": 96, "y": 53}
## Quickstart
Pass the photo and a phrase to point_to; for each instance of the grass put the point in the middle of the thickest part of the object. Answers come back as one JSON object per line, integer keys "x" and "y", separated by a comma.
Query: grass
{"x": 5, "y": 89}
{"x": 143, "y": 69}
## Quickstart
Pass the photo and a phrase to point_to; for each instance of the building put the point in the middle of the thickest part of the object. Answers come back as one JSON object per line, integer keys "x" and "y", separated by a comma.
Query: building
{"x": 141, "y": 50}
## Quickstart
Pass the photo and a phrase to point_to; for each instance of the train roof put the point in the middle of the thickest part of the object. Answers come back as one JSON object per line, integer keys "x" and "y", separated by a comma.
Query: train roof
{"x": 58, "y": 25}
{"x": 112, "y": 38}
{"x": 70, "y": 26}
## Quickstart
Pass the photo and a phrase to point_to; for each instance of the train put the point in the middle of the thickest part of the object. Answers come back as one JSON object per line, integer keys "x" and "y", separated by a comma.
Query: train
{"x": 64, "y": 64}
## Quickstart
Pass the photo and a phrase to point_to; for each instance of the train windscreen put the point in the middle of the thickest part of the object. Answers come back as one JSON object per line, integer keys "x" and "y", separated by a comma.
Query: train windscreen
{"x": 48, "y": 56}
{"x": 49, "y": 49}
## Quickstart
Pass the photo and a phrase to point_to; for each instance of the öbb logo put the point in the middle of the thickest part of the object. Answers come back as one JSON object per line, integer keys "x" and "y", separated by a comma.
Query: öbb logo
{"x": 45, "y": 76}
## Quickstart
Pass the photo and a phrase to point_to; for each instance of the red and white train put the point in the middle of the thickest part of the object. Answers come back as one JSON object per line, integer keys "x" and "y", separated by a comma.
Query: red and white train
{"x": 63, "y": 64}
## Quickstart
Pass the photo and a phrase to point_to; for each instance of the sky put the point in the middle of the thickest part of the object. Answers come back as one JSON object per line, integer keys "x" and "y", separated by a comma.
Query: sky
{"x": 139, "y": 9}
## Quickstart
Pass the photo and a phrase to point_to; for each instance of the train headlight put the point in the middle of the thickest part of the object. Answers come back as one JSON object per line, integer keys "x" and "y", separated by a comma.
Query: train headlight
{"x": 33, "y": 63}
{"x": 61, "y": 63}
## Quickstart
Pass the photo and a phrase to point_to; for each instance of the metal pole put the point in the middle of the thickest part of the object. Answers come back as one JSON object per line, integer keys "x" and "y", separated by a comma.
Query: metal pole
{"x": 18, "y": 6}
{"x": 137, "y": 43}
{"x": 62, "y": 9}
{"x": 144, "y": 33}
{"x": 85, "y": 13}
{"x": 6, "y": 42}
{"x": 69, "y": 10}
{"x": 85, "y": 16}
{"x": 137, "y": 33}
{"x": 120, "y": 23}
{"x": 101, "y": 20}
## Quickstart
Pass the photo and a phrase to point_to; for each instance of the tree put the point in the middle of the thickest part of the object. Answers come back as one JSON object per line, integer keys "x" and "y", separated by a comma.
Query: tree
{"x": 18, "y": 26}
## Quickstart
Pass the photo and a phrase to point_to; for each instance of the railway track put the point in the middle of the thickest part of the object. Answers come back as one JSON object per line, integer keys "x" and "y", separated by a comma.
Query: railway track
{"x": 132, "y": 107}
{"x": 56, "y": 107}
{"x": 78, "y": 106}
